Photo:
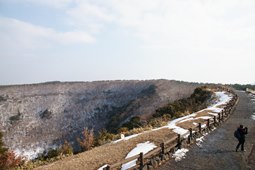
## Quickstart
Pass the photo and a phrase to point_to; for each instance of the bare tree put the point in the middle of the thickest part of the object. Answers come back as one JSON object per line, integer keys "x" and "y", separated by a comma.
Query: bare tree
{"x": 87, "y": 140}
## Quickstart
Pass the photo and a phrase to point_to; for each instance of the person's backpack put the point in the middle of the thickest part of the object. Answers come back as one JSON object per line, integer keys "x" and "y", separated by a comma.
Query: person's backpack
{"x": 237, "y": 134}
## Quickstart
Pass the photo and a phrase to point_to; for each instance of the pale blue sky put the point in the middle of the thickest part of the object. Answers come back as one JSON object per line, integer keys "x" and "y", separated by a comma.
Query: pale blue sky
{"x": 87, "y": 40}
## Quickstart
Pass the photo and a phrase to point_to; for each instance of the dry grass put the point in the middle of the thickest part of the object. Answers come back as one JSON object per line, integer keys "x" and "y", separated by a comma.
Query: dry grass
{"x": 203, "y": 113}
{"x": 109, "y": 153}
{"x": 189, "y": 124}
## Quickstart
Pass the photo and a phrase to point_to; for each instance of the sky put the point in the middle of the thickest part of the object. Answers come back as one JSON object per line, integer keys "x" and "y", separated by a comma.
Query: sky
{"x": 90, "y": 40}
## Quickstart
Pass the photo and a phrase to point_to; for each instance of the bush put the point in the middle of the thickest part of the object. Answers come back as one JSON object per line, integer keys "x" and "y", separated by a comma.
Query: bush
{"x": 123, "y": 130}
{"x": 158, "y": 122}
{"x": 87, "y": 140}
{"x": 104, "y": 137}
{"x": 8, "y": 159}
{"x": 195, "y": 102}
{"x": 66, "y": 149}
{"x": 134, "y": 122}
{"x": 52, "y": 153}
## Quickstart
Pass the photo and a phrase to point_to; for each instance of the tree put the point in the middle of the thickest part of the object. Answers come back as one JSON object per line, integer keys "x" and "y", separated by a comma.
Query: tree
{"x": 66, "y": 149}
{"x": 7, "y": 159}
{"x": 87, "y": 140}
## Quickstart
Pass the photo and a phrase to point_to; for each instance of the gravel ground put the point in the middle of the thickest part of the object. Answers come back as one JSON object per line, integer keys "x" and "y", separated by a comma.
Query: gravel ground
{"x": 218, "y": 149}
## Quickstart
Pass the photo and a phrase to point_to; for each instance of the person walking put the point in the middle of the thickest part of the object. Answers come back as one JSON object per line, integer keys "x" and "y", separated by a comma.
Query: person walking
{"x": 241, "y": 132}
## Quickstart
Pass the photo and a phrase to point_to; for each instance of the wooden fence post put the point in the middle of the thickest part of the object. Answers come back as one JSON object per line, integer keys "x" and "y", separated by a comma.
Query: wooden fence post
{"x": 190, "y": 136}
{"x": 162, "y": 148}
{"x": 199, "y": 127}
{"x": 179, "y": 141}
{"x": 141, "y": 161}
{"x": 208, "y": 124}
{"x": 162, "y": 145}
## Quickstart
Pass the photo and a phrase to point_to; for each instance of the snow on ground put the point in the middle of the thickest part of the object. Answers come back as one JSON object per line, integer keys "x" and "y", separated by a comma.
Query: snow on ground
{"x": 102, "y": 167}
{"x": 29, "y": 154}
{"x": 222, "y": 98}
{"x": 141, "y": 147}
{"x": 177, "y": 129}
{"x": 253, "y": 116}
{"x": 180, "y": 154}
{"x": 200, "y": 140}
{"x": 126, "y": 138}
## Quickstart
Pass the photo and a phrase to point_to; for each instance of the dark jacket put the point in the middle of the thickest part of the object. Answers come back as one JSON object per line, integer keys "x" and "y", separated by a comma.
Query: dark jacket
{"x": 242, "y": 132}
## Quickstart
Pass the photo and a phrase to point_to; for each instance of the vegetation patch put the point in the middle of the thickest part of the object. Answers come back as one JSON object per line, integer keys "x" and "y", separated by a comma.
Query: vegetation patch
{"x": 46, "y": 114}
{"x": 197, "y": 101}
{"x": 15, "y": 118}
{"x": 243, "y": 86}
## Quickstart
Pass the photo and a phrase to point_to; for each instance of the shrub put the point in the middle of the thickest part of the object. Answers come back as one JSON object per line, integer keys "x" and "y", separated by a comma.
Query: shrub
{"x": 87, "y": 140}
{"x": 123, "y": 130}
{"x": 8, "y": 159}
{"x": 66, "y": 149}
{"x": 158, "y": 122}
{"x": 104, "y": 137}
{"x": 52, "y": 153}
{"x": 195, "y": 102}
{"x": 134, "y": 122}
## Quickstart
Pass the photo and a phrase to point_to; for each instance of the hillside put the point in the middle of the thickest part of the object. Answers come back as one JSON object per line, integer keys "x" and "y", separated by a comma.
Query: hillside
{"x": 36, "y": 117}
{"x": 117, "y": 151}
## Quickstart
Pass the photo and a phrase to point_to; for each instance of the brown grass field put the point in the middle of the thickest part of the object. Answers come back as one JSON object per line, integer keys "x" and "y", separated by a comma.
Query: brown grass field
{"x": 109, "y": 153}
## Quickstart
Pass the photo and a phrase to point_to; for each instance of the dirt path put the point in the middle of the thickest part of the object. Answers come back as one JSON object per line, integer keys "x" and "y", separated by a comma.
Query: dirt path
{"x": 218, "y": 149}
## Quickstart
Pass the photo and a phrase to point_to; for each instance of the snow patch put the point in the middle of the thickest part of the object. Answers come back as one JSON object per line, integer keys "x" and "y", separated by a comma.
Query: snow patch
{"x": 223, "y": 98}
{"x": 29, "y": 154}
{"x": 194, "y": 123}
{"x": 200, "y": 141}
{"x": 102, "y": 167}
{"x": 203, "y": 126}
{"x": 177, "y": 129}
{"x": 141, "y": 147}
{"x": 253, "y": 116}
{"x": 180, "y": 154}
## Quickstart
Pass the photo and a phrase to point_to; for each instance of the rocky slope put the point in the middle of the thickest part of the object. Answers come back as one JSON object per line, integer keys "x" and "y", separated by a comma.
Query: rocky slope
{"x": 36, "y": 117}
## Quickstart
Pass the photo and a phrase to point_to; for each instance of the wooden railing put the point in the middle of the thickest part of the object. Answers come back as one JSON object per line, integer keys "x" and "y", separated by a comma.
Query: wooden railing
{"x": 156, "y": 157}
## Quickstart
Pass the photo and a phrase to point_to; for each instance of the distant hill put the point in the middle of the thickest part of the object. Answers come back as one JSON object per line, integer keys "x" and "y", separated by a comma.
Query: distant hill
{"x": 43, "y": 115}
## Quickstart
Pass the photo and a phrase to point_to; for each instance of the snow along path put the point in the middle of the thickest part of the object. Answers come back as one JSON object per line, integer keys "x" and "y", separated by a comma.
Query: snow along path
{"x": 141, "y": 147}
{"x": 218, "y": 149}
{"x": 222, "y": 98}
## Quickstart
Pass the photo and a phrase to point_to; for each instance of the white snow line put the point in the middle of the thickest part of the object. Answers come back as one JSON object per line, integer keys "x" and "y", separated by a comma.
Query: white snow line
{"x": 126, "y": 138}
{"x": 102, "y": 167}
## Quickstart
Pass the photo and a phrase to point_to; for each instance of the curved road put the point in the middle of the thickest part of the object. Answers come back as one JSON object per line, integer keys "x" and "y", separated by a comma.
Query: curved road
{"x": 218, "y": 149}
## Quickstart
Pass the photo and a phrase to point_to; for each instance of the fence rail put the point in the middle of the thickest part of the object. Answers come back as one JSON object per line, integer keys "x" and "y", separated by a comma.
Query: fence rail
{"x": 156, "y": 157}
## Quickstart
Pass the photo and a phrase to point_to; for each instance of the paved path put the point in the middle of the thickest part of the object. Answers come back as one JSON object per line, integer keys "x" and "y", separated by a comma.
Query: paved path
{"x": 218, "y": 149}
